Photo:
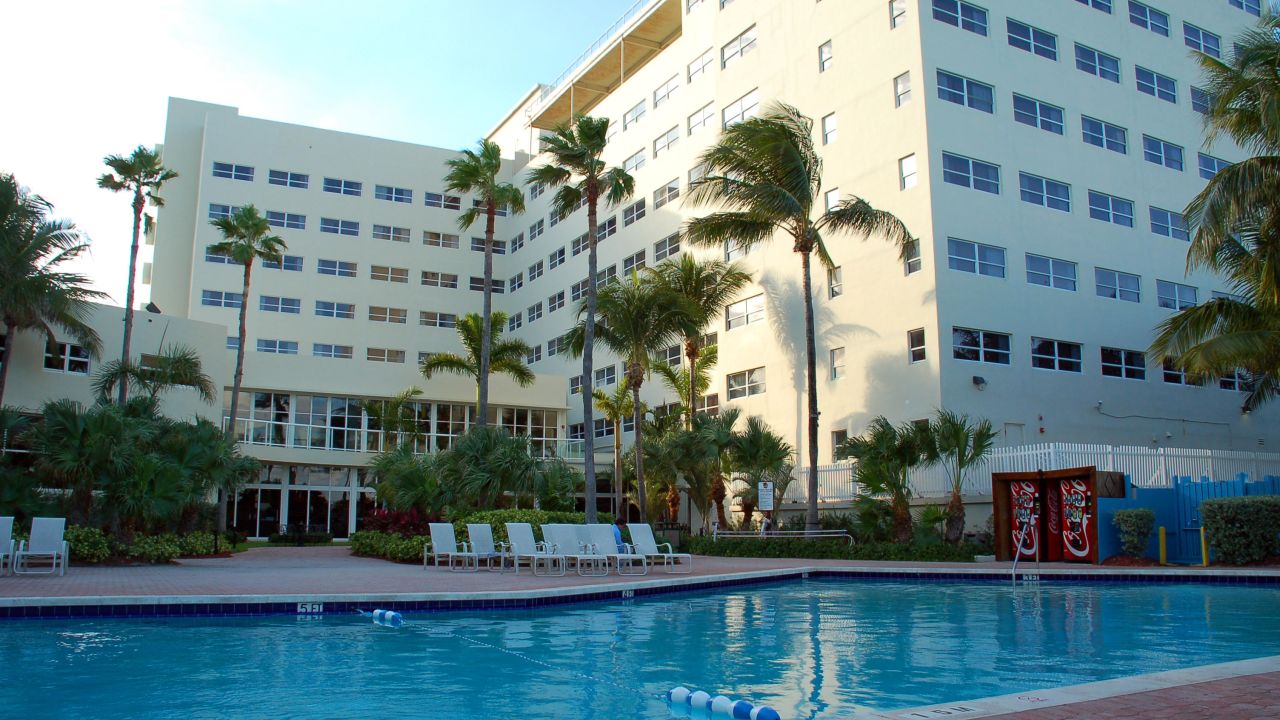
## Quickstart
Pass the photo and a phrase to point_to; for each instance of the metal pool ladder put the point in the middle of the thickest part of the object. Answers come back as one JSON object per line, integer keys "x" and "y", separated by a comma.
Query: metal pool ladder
{"x": 1017, "y": 554}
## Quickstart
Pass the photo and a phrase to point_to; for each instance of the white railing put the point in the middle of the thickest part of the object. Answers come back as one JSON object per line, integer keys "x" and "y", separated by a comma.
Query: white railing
{"x": 605, "y": 37}
{"x": 1146, "y": 467}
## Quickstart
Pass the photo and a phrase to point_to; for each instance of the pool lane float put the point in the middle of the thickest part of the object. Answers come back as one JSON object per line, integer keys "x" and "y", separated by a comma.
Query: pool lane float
{"x": 387, "y": 618}
{"x": 683, "y": 697}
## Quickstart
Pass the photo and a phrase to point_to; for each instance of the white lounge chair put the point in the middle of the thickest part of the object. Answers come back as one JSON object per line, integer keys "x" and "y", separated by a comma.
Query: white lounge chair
{"x": 480, "y": 536}
{"x": 603, "y": 543}
{"x": 46, "y": 545}
{"x": 6, "y": 544}
{"x": 443, "y": 545}
{"x": 522, "y": 545}
{"x": 643, "y": 542}
{"x": 563, "y": 540}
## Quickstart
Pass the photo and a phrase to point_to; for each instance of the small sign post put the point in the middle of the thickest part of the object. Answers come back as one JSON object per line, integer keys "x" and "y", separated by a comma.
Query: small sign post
{"x": 764, "y": 492}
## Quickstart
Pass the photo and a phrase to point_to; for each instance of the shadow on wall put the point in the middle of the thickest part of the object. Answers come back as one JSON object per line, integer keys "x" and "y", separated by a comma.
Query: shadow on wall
{"x": 895, "y": 389}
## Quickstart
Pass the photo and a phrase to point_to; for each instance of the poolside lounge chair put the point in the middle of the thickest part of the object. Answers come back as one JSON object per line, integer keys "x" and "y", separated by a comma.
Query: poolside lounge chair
{"x": 624, "y": 563}
{"x": 563, "y": 540}
{"x": 46, "y": 544}
{"x": 521, "y": 545}
{"x": 6, "y": 544}
{"x": 480, "y": 536}
{"x": 644, "y": 544}
{"x": 443, "y": 545}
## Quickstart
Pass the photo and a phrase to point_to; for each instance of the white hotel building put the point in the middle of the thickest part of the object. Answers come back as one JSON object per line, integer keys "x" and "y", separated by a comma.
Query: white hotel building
{"x": 1040, "y": 150}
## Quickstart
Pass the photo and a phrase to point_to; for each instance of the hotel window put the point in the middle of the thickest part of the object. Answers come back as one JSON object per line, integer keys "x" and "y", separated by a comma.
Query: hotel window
{"x": 231, "y": 171}
{"x": 1174, "y": 375}
{"x": 339, "y": 310}
{"x": 217, "y": 298}
{"x": 218, "y": 211}
{"x": 337, "y": 268}
{"x": 516, "y": 282}
{"x": 535, "y": 311}
{"x": 536, "y": 270}
{"x": 1201, "y": 100}
{"x": 907, "y": 172}
{"x": 606, "y": 375}
{"x": 912, "y": 263}
{"x": 1202, "y": 40}
{"x": 972, "y": 257}
{"x": 1161, "y": 152}
{"x": 556, "y": 258}
{"x": 1104, "y": 135}
{"x": 744, "y": 312}
{"x": 284, "y": 178}
{"x": 233, "y": 343}
{"x": 278, "y": 347}
{"x": 339, "y": 227}
{"x": 1044, "y": 192}
{"x": 498, "y": 210}
{"x": 915, "y": 345}
{"x": 1156, "y": 85}
{"x": 393, "y": 194}
{"x": 496, "y": 286}
{"x": 1127, "y": 364}
{"x": 1038, "y": 113}
{"x": 632, "y": 116}
{"x": 970, "y": 173}
{"x": 701, "y": 63}
{"x": 1238, "y": 380}
{"x": 830, "y": 129}
{"x": 1147, "y": 17}
{"x": 1097, "y": 63}
{"x": 606, "y": 228}
{"x": 708, "y": 404}
{"x": 1175, "y": 296}
{"x": 216, "y": 257}
{"x": 66, "y": 358}
{"x": 666, "y": 90}
{"x": 329, "y": 350}
{"x": 741, "y": 109}
{"x": 670, "y": 355}
{"x": 578, "y": 431}
{"x": 1210, "y": 166}
{"x": 558, "y": 345}
{"x": 578, "y": 290}
{"x": 745, "y": 383}
{"x": 578, "y": 245}
{"x": 1103, "y": 5}
{"x": 1051, "y": 272}
{"x": 697, "y": 172}
{"x": 604, "y": 428}
{"x": 897, "y": 13}
{"x": 389, "y": 274}
{"x": 515, "y": 322}
{"x": 343, "y": 187}
{"x": 706, "y": 341}
{"x": 536, "y": 189}
{"x": 384, "y": 355}
{"x": 575, "y": 384}
{"x": 963, "y": 91}
{"x": 555, "y": 302}
{"x": 290, "y": 263}
{"x": 517, "y": 242}
{"x": 440, "y": 200}
{"x": 1032, "y": 39}
{"x": 737, "y": 47}
{"x": 701, "y": 118}
{"x": 666, "y": 140}
{"x": 837, "y": 363}
{"x": 633, "y": 263}
{"x": 835, "y": 282}
{"x": 388, "y": 232}
{"x": 831, "y": 199}
{"x": 440, "y": 240}
{"x": 633, "y": 163}
{"x": 902, "y": 89}
{"x": 962, "y": 15}
{"x": 291, "y": 221}
{"x": 1055, "y": 355}
{"x": 1109, "y": 208}
{"x": 499, "y": 247}
{"x": 1253, "y": 7}
{"x": 534, "y": 355}
{"x": 666, "y": 193}
{"x": 666, "y": 247}
{"x": 272, "y": 303}
{"x": 1169, "y": 224}
{"x": 606, "y": 275}
{"x": 734, "y": 250}
{"x": 824, "y": 57}
{"x": 397, "y": 316}
{"x": 1116, "y": 285}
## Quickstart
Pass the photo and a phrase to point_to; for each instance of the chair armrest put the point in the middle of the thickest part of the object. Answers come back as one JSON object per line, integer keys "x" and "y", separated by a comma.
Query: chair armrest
{"x": 465, "y": 548}
{"x": 666, "y": 545}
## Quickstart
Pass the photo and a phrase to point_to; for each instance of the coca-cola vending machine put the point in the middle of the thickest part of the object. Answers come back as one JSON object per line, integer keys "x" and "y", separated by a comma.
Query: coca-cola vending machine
{"x": 1024, "y": 499}
{"x": 1052, "y": 514}
{"x": 1079, "y": 534}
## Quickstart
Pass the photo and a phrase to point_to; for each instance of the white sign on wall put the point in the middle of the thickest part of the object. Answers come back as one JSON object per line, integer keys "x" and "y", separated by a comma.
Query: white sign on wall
{"x": 764, "y": 491}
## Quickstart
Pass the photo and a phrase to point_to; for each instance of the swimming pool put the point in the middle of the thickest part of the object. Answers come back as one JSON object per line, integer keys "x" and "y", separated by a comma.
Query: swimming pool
{"x": 814, "y": 648}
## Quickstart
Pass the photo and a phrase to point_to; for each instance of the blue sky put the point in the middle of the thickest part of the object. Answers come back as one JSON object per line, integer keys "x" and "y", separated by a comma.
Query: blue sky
{"x": 429, "y": 72}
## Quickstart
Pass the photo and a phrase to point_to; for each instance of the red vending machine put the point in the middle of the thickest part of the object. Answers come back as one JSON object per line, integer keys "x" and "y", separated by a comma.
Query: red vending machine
{"x": 1024, "y": 499}
{"x": 1079, "y": 533}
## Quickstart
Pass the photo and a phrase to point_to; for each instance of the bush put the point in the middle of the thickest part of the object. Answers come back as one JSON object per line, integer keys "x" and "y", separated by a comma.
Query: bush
{"x": 498, "y": 519}
{"x": 196, "y": 544}
{"x": 88, "y": 545}
{"x": 405, "y": 523}
{"x": 308, "y": 538}
{"x": 830, "y": 549}
{"x": 388, "y": 546}
{"x": 1242, "y": 529}
{"x": 1135, "y": 526}
{"x": 154, "y": 548}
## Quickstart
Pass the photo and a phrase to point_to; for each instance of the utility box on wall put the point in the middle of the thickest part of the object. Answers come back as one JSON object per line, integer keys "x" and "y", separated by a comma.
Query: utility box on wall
{"x": 1051, "y": 515}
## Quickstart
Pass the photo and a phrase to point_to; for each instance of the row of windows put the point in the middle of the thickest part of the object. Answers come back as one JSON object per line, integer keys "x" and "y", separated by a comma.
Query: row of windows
{"x": 339, "y": 186}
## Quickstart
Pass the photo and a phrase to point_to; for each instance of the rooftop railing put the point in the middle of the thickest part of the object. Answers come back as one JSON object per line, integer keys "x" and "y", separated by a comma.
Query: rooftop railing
{"x": 604, "y": 39}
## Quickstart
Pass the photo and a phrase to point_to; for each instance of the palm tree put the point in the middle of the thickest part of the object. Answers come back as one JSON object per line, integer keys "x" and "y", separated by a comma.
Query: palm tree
{"x": 886, "y": 455}
{"x": 954, "y": 440}
{"x": 477, "y": 172}
{"x": 35, "y": 293}
{"x": 407, "y": 480}
{"x": 760, "y": 455}
{"x": 677, "y": 380}
{"x": 615, "y": 407}
{"x": 767, "y": 174}
{"x": 718, "y": 431}
{"x": 175, "y": 366}
{"x": 395, "y": 417}
{"x": 141, "y": 174}
{"x": 584, "y": 178}
{"x": 706, "y": 286}
{"x": 506, "y": 356}
{"x": 638, "y": 319}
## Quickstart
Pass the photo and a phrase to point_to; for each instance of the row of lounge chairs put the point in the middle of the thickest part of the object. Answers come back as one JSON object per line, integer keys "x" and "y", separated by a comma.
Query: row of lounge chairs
{"x": 44, "y": 553}
{"x": 590, "y": 549}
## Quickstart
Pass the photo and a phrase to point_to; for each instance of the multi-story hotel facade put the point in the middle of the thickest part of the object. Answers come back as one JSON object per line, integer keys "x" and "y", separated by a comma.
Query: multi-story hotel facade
{"x": 1040, "y": 151}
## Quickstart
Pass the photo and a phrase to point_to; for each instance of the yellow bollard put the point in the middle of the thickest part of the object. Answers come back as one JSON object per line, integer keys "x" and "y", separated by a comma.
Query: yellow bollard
{"x": 1164, "y": 556}
{"x": 1204, "y": 550}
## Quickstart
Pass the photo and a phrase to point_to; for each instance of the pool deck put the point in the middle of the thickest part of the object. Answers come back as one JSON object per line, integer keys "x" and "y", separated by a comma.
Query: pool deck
{"x": 285, "y": 575}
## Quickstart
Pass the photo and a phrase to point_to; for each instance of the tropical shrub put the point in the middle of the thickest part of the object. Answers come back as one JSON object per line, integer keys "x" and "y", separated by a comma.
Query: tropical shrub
{"x": 1135, "y": 526}
{"x": 154, "y": 548}
{"x": 196, "y": 544}
{"x": 1242, "y": 529}
{"x": 369, "y": 543}
{"x": 88, "y": 545}
{"x": 405, "y": 523}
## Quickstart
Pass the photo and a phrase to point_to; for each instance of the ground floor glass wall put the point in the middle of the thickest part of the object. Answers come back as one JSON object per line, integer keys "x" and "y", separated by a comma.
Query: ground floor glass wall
{"x": 292, "y": 498}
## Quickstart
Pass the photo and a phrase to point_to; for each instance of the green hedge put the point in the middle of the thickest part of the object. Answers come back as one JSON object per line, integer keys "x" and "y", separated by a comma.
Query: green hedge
{"x": 88, "y": 545}
{"x": 388, "y": 546}
{"x": 1242, "y": 530}
{"x": 91, "y": 546}
{"x": 831, "y": 549}
{"x": 498, "y": 519}
{"x": 1134, "y": 526}
{"x": 154, "y": 548}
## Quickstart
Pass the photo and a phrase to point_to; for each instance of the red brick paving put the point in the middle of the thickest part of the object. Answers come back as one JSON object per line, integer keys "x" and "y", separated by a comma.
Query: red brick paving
{"x": 1249, "y": 697}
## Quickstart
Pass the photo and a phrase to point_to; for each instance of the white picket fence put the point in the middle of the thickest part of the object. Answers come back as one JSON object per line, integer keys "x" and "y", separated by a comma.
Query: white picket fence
{"x": 1146, "y": 467}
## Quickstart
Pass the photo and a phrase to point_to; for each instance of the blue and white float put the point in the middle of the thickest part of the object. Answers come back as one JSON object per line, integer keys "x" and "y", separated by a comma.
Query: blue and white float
{"x": 387, "y": 618}
{"x": 683, "y": 697}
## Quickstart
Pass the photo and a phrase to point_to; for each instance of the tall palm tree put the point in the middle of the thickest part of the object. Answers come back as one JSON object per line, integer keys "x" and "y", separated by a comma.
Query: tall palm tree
{"x": 959, "y": 443}
{"x": 506, "y": 355}
{"x": 615, "y": 407}
{"x": 707, "y": 286}
{"x": 35, "y": 293}
{"x": 639, "y": 318}
{"x": 767, "y": 175}
{"x": 141, "y": 174}
{"x": 477, "y": 172}
{"x": 886, "y": 455}
{"x": 175, "y": 366}
{"x": 584, "y": 178}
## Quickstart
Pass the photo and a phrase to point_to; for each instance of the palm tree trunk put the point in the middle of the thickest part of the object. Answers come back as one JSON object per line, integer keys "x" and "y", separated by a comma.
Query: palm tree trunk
{"x": 486, "y": 334}
{"x": 691, "y": 352}
{"x": 138, "y": 203}
{"x": 719, "y": 493}
{"x": 638, "y": 434}
{"x": 811, "y": 377}
{"x": 618, "y": 506}
{"x": 955, "y": 518}
{"x": 588, "y": 364}
{"x": 10, "y": 333}
{"x": 235, "y": 388}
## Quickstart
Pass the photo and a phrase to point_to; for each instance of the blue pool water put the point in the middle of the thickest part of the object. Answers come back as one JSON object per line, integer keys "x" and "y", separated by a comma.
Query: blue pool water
{"x": 812, "y": 649}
